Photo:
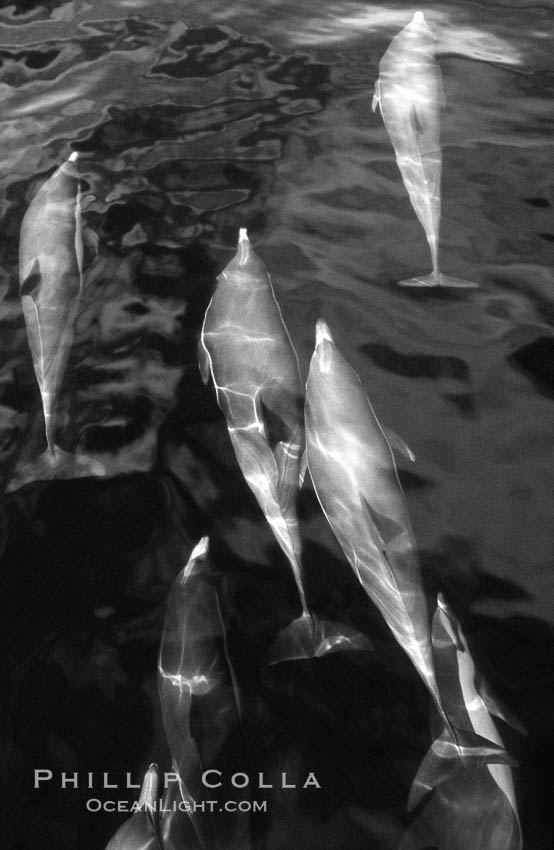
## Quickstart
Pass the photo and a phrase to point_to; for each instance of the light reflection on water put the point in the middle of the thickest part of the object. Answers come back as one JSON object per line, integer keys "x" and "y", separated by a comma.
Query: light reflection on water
{"x": 194, "y": 121}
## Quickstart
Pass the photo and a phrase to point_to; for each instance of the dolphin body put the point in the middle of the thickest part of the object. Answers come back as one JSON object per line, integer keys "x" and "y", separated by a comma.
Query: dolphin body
{"x": 140, "y": 831}
{"x": 476, "y": 808}
{"x": 246, "y": 348}
{"x": 355, "y": 478}
{"x": 194, "y": 664}
{"x": 410, "y": 95}
{"x": 50, "y": 276}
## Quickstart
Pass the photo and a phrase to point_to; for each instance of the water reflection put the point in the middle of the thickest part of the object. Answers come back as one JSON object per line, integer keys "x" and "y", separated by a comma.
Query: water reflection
{"x": 259, "y": 115}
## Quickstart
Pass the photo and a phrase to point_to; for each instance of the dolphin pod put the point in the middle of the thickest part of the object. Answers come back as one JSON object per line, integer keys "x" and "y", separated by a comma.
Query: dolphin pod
{"x": 141, "y": 830}
{"x": 354, "y": 475}
{"x": 476, "y": 809}
{"x": 194, "y": 663}
{"x": 410, "y": 95}
{"x": 50, "y": 275}
{"x": 246, "y": 348}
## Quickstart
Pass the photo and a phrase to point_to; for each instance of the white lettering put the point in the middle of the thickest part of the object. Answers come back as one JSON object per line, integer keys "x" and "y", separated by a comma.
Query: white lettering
{"x": 42, "y": 776}
{"x": 284, "y": 782}
{"x": 244, "y": 780}
{"x": 205, "y": 779}
{"x": 311, "y": 781}
{"x": 71, "y": 779}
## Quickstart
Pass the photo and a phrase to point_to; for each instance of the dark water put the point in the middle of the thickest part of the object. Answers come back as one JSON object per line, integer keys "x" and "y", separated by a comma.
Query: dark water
{"x": 192, "y": 120}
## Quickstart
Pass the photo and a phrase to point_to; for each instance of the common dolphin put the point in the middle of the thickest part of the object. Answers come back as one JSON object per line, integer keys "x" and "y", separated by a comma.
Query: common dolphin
{"x": 50, "y": 277}
{"x": 355, "y": 478}
{"x": 140, "y": 831}
{"x": 410, "y": 94}
{"x": 478, "y": 808}
{"x": 246, "y": 348}
{"x": 194, "y": 664}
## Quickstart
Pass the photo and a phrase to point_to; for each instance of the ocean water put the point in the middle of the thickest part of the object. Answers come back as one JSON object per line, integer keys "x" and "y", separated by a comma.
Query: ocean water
{"x": 193, "y": 120}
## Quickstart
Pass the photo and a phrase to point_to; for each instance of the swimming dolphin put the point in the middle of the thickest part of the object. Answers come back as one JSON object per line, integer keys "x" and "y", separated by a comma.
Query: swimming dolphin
{"x": 194, "y": 664}
{"x": 355, "y": 478}
{"x": 246, "y": 348}
{"x": 410, "y": 94}
{"x": 50, "y": 276}
{"x": 140, "y": 831}
{"x": 476, "y": 808}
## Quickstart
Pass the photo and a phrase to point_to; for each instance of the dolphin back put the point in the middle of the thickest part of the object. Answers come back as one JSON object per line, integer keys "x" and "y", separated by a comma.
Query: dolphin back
{"x": 195, "y": 668}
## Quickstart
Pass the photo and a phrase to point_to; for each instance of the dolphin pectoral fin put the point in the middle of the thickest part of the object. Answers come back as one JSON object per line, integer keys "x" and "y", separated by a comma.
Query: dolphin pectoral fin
{"x": 310, "y": 637}
{"x": 447, "y": 756}
{"x": 398, "y": 444}
{"x": 204, "y": 361}
{"x": 376, "y": 96}
{"x": 496, "y": 706}
{"x": 56, "y": 464}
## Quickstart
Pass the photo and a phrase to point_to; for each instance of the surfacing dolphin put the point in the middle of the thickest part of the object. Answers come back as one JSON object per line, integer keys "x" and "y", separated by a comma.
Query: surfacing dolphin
{"x": 410, "y": 94}
{"x": 50, "y": 277}
{"x": 246, "y": 348}
{"x": 475, "y": 808}
{"x": 355, "y": 478}
{"x": 140, "y": 831}
{"x": 194, "y": 664}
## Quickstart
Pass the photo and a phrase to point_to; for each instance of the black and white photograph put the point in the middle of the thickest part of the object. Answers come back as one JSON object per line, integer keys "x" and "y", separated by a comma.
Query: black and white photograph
{"x": 277, "y": 425}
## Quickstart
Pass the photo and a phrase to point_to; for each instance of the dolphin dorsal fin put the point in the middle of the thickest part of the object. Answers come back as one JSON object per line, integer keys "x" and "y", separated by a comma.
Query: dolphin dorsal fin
{"x": 376, "y": 96}
{"x": 31, "y": 282}
{"x": 204, "y": 361}
{"x": 303, "y": 469}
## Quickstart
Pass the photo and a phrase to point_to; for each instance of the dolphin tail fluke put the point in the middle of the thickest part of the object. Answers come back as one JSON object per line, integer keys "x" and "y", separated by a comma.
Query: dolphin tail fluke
{"x": 57, "y": 464}
{"x": 456, "y": 282}
{"x": 429, "y": 280}
{"x": 448, "y": 755}
{"x": 310, "y": 637}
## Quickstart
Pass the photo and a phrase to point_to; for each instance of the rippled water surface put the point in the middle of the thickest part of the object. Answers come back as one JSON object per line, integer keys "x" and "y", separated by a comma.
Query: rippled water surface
{"x": 193, "y": 120}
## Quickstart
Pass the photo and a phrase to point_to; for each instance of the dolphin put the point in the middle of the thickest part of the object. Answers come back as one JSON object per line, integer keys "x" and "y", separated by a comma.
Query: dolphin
{"x": 50, "y": 276}
{"x": 477, "y": 809}
{"x": 194, "y": 664}
{"x": 246, "y": 348}
{"x": 354, "y": 474}
{"x": 410, "y": 95}
{"x": 140, "y": 831}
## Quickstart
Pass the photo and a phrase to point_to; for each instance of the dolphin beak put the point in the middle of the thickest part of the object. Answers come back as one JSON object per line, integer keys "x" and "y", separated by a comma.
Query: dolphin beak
{"x": 322, "y": 332}
{"x": 419, "y": 23}
{"x": 243, "y": 247}
{"x": 323, "y": 350}
{"x": 149, "y": 790}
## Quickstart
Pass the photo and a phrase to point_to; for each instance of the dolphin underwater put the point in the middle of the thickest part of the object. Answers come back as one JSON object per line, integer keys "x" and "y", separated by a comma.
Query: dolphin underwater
{"x": 140, "y": 831}
{"x": 355, "y": 478}
{"x": 410, "y": 95}
{"x": 194, "y": 664}
{"x": 476, "y": 808}
{"x": 50, "y": 276}
{"x": 246, "y": 348}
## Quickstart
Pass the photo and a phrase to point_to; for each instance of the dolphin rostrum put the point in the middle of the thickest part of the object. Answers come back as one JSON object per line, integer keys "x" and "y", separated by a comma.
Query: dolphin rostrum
{"x": 246, "y": 348}
{"x": 194, "y": 664}
{"x": 50, "y": 275}
{"x": 475, "y": 808}
{"x": 355, "y": 478}
{"x": 410, "y": 94}
{"x": 140, "y": 831}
